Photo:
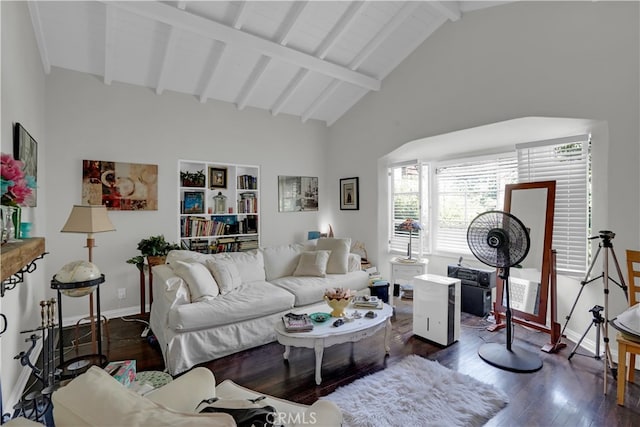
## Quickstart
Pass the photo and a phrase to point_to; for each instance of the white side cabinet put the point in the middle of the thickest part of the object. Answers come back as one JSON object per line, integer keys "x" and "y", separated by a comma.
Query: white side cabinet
{"x": 436, "y": 308}
{"x": 404, "y": 272}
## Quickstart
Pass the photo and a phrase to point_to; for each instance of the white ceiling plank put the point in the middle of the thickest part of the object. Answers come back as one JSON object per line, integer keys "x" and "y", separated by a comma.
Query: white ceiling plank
{"x": 295, "y": 83}
{"x": 393, "y": 24}
{"x": 343, "y": 24}
{"x": 169, "y": 54}
{"x": 243, "y": 12}
{"x": 290, "y": 21}
{"x": 252, "y": 81}
{"x": 182, "y": 5}
{"x": 320, "y": 100}
{"x": 34, "y": 11}
{"x": 448, "y": 9}
{"x": 339, "y": 29}
{"x": 109, "y": 43}
{"x": 217, "y": 31}
{"x": 212, "y": 73}
{"x": 284, "y": 31}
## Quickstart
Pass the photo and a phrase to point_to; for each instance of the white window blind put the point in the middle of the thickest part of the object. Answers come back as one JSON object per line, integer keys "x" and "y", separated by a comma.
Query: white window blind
{"x": 566, "y": 161}
{"x": 409, "y": 186}
{"x": 465, "y": 190}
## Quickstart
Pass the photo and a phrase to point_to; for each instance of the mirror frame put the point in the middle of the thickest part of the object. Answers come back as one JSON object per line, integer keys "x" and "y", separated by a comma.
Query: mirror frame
{"x": 541, "y": 317}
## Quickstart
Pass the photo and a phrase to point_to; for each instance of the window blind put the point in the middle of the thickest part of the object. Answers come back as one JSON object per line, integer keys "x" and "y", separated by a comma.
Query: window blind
{"x": 409, "y": 186}
{"x": 567, "y": 162}
{"x": 465, "y": 190}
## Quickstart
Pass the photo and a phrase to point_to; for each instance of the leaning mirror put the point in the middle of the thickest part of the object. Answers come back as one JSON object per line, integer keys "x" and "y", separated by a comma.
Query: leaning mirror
{"x": 533, "y": 204}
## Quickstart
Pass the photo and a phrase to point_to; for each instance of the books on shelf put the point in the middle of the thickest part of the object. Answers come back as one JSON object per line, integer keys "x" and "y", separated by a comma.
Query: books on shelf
{"x": 247, "y": 182}
{"x": 297, "y": 322}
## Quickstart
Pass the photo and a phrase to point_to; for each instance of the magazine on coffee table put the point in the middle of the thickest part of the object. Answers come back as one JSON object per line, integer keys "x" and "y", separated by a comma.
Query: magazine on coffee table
{"x": 297, "y": 322}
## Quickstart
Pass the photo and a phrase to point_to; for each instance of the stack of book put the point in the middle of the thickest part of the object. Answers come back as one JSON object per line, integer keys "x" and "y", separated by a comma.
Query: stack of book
{"x": 407, "y": 291}
{"x": 364, "y": 301}
{"x": 297, "y": 322}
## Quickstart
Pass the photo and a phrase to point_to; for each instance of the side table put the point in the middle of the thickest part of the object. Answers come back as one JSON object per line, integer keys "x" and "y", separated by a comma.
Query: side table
{"x": 404, "y": 272}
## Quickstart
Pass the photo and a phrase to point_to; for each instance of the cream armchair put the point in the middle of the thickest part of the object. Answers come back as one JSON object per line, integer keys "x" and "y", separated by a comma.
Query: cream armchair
{"x": 96, "y": 399}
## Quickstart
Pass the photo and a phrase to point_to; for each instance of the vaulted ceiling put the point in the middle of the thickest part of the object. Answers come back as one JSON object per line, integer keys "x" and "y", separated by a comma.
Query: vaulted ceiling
{"x": 310, "y": 59}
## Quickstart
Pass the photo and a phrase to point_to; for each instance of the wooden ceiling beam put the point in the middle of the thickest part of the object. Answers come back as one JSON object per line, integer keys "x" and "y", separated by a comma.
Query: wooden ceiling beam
{"x": 392, "y": 25}
{"x": 34, "y": 11}
{"x": 343, "y": 24}
{"x": 167, "y": 60}
{"x": 214, "y": 30}
{"x": 285, "y": 30}
{"x": 448, "y": 9}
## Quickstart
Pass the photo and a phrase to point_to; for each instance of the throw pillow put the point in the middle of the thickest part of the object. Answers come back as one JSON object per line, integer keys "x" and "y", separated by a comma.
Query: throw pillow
{"x": 339, "y": 258}
{"x": 281, "y": 261}
{"x": 201, "y": 284}
{"x": 226, "y": 274}
{"x": 312, "y": 264}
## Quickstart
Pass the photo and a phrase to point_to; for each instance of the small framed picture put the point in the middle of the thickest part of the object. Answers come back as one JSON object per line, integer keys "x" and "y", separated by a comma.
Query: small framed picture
{"x": 217, "y": 177}
{"x": 193, "y": 202}
{"x": 349, "y": 194}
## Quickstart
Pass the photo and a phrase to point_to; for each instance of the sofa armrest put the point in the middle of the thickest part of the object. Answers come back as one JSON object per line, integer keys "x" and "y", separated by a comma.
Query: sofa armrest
{"x": 354, "y": 262}
{"x": 186, "y": 392}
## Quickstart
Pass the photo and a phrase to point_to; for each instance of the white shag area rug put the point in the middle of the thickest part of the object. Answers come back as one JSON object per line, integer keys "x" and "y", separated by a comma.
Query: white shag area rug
{"x": 417, "y": 392}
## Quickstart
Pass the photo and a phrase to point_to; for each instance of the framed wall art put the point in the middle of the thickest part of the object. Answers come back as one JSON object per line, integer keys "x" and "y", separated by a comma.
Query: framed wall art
{"x": 217, "y": 177}
{"x": 25, "y": 149}
{"x": 349, "y": 194}
{"x": 120, "y": 186}
{"x": 193, "y": 202}
{"x": 297, "y": 193}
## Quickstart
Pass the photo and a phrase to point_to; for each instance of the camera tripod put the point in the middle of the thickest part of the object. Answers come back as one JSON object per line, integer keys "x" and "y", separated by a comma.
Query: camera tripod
{"x": 599, "y": 323}
{"x": 605, "y": 237}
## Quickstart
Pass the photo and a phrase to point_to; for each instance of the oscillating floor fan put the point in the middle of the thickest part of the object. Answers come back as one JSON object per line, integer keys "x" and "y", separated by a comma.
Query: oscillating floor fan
{"x": 500, "y": 240}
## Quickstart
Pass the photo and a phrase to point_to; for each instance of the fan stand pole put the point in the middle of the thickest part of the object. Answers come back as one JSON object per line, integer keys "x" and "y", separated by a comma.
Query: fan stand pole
{"x": 508, "y": 358}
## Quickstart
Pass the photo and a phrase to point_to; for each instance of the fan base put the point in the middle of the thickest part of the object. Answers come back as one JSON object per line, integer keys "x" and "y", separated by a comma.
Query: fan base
{"x": 514, "y": 360}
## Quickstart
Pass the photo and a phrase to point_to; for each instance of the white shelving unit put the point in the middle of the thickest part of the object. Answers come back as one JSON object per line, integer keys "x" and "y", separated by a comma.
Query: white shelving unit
{"x": 210, "y": 227}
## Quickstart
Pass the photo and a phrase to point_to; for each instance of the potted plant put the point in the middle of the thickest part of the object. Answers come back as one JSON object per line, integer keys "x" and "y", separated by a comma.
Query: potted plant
{"x": 155, "y": 248}
{"x": 192, "y": 179}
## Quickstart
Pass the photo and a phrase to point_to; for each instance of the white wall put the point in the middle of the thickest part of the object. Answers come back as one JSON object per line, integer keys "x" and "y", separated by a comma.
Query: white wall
{"x": 87, "y": 119}
{"x": 552, "y": 59}
{"x": 22, "y": 101}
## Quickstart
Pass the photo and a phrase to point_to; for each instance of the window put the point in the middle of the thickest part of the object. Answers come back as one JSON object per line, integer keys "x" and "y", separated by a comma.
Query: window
{"x": 466, "y": 189}
{"x": 409, "y": 186}
{"x": 566, "y": 161}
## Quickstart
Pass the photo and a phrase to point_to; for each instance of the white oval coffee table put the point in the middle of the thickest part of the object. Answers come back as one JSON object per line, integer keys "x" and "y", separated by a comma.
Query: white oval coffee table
{"x": 325, "y": 334}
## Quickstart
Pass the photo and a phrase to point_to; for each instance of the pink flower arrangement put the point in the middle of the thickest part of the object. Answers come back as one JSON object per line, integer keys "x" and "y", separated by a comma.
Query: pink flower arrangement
{"x": 339, "y": 293}
{"x": 15, "y": 186}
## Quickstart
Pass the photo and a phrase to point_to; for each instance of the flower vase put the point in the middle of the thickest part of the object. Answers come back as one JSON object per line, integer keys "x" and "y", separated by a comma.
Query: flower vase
{"x": 338, "y": 305}
{"x": 10, "y": 218}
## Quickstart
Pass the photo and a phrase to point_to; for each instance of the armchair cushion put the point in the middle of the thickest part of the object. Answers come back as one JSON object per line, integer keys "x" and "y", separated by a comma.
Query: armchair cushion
{"x": 96, "y": 399}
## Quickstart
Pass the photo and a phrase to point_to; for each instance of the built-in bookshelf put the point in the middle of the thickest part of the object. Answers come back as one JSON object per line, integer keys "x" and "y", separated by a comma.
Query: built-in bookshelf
{"x": 219, "y": 206}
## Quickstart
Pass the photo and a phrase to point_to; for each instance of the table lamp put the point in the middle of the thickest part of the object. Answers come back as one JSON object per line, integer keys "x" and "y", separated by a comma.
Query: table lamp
{"x": 89, "y": 219}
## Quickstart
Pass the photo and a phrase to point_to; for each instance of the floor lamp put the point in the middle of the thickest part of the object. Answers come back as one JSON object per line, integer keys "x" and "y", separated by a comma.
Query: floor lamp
{"x": 89, "y": 219}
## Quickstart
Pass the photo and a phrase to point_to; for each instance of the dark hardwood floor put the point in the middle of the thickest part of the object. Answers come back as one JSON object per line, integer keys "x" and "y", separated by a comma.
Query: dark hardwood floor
{"x": 562, "y": 393}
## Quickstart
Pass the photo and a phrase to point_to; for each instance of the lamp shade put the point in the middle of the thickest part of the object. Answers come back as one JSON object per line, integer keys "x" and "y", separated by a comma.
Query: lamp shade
{"x": 88, "y": 219}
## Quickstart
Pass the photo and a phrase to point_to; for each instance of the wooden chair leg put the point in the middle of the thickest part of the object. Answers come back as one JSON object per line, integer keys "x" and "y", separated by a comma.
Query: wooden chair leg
{"x": 632, "y": 368}
{"x": 622, "y": 365}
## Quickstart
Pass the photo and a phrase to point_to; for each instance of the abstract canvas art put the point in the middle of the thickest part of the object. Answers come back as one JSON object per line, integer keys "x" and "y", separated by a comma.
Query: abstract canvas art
{"x": 120, "y": 186}
{"x": 25, "y": 149}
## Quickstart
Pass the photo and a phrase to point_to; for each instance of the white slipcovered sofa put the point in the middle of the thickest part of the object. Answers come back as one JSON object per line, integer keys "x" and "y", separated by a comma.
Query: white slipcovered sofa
{"x": 208, "y": 306}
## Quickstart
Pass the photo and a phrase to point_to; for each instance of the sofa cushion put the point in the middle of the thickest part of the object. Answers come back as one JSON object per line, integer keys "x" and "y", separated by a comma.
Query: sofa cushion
{"x": 281, "y": 261}
{"x": 310, "y": 290}
{"x": 339, "y": 258}
{"x": 312, "y": 263}
{"x": 226, "y": 274}
{"x": 249, "y": 301}
{"x": 201, "y": 283}
{"x": 250, "y": 265}
{"x": 186, "y": 256}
